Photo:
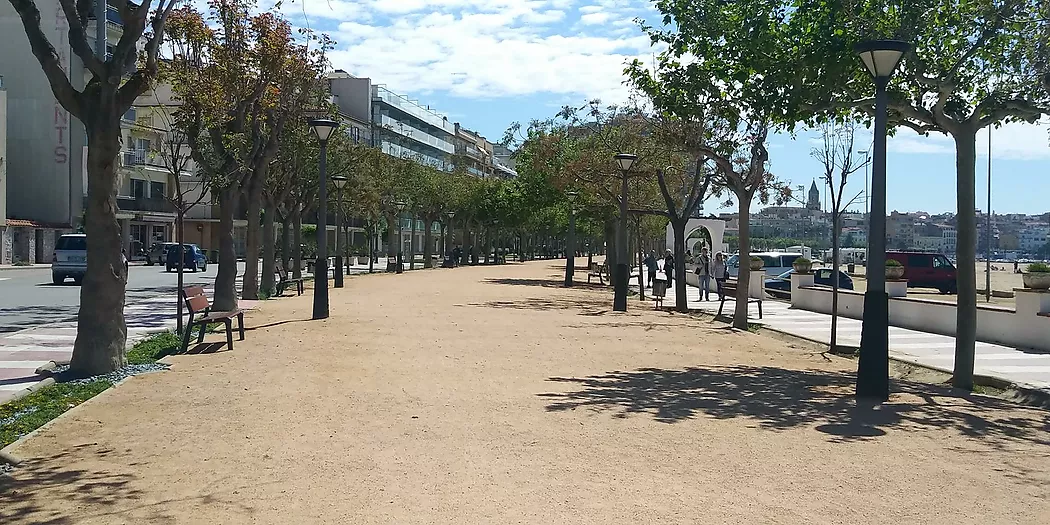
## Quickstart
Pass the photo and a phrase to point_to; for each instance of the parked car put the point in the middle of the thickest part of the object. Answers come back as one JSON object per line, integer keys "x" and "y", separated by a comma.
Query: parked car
{"x": 782, "y": 282}
{"x": 773, "y": 263}
{"x": 158, "y": 253}
{"x": 927, "y": 270}
{"x": 193, "y": 258}
{"x": 70, "y": 258}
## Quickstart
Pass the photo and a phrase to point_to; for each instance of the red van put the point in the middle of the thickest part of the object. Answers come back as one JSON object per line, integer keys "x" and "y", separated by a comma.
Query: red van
{"x": 927, "y": 270}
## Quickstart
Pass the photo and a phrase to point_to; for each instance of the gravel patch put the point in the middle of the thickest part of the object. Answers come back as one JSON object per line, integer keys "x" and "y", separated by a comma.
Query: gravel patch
{"x": 112, "y": 377}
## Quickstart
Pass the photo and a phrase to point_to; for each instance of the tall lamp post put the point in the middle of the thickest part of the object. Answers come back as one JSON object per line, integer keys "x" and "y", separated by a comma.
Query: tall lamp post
{"x": 340, "y": 182}
{"x": 623, "y": 270}
{"x": 881, "y": 58}
{"x": 570, "y": 245}
{"x": 323, "y": 129}
{"x": 400, "y": 206}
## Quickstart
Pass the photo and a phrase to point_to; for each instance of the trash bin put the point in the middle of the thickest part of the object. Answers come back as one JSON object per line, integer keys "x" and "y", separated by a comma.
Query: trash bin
{"x": 850, "y": 268}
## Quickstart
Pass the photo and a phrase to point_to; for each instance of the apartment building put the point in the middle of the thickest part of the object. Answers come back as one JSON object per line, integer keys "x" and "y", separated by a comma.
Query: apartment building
{"x": 474, "y": 152}
{"x": 1033, "y": 238}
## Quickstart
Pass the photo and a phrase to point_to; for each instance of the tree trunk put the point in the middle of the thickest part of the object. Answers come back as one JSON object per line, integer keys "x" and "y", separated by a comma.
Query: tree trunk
{"x": 680, "y": 290}
{"x": 393, "y": 243}
{"x": 253, "y": 240}
{"x": 641, "y": 264}
{"x": 474, "y": 245}
{"x": 464, "y": 252}
{"x": 297, "y": 243}
{"x": 428, "y": 249}
{"x": 412, "y": 245}
{"x": 966, "y": 256}
{"x": 610, "y": 243}
{"x": 269, "y": 252}
{"x": 179, "y": 238}
{"x": 836, "y": 225}
{"x": 286, "y": 242}
{"x": 101, "y": 330}
{"x": 743, "y": 278}
{"x": 226, "y": 277}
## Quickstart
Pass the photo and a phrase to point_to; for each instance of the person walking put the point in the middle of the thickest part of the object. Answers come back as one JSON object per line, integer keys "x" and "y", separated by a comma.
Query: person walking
{"x": 650, "y": 267}
{"x": 669, "y": 267}
{"x": 703, "y": 274}
{"x": 720, "y": 272}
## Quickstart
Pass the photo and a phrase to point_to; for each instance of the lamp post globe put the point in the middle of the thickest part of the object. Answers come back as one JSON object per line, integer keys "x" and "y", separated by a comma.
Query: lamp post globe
{"x": 322, "y": 128}
{"x": 626, "y": 162}
{"x": 881, "y": 58}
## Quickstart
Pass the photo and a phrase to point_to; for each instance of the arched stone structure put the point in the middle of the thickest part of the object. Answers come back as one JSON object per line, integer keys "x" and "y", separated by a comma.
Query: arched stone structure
{"x": 715, "y": 231}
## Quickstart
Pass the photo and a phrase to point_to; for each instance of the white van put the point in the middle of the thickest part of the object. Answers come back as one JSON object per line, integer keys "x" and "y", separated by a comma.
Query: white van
{"x": 773, "y": 263}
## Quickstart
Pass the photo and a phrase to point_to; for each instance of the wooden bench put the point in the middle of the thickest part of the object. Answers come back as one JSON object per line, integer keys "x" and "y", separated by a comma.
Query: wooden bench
{"x": 601, "y": 271}
{"x": 729, "y": 290}
{"x": 283, "y": 280}
{"x": 197, "y": 303}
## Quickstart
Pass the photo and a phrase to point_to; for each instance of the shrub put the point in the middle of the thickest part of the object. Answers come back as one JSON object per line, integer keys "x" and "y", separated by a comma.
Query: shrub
{"x": 893, "y": 263}
{"x": 802, "y": 261}
{"x": 1038, "y": 268}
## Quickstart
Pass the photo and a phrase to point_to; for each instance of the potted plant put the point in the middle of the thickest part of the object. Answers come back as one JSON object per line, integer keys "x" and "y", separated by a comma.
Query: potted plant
{"x": 802, "y": 265}
{"x": 894, "y": 269}
{"x": 1037, "y": 276}
{"x": 756, "y": 263}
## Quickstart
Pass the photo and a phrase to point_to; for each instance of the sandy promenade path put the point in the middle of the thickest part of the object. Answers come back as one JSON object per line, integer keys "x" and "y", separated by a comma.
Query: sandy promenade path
{"x": 492, "y": 396}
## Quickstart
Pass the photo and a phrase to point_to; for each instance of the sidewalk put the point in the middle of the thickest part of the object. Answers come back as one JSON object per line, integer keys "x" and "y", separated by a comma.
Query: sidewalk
{"x": 1024, "y": 368}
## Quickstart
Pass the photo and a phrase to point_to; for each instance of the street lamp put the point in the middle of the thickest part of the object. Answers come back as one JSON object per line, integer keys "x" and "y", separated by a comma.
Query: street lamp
{"x": 400, "y": 206}
{"x": 570, "y": 248}
{"x": 340, "y": 182}
{"x": 622, "y": 272}
{"x": 322, "y": 128}
{"x": 881, "y": 58}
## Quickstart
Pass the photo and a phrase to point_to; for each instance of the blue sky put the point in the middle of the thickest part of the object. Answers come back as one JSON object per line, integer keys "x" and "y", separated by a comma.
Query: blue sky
{"x": 488, "y": 63}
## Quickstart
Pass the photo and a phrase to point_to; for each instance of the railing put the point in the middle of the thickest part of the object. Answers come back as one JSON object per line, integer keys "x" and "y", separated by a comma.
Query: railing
{"x": 135, "y": 157}
{"x": 148, "y": 204}
{"x": 414, "y": 109}
{"x": 416, "y": 134}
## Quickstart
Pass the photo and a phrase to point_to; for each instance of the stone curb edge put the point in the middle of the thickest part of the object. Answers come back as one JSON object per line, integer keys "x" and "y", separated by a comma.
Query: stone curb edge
{"x": 1026, "y": 395}
{"x": 5, "y": 453}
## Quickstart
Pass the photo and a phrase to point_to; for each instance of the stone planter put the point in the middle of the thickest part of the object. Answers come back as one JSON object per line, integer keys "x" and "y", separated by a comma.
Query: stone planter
{"x": 756, "y": 265}
{"x": 802, "y": 268}
{"x": 1036, "y": 280}
{"x": 894, "y": 272}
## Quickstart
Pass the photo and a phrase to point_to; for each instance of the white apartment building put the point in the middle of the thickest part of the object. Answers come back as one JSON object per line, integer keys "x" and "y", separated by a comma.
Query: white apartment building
{"x": 1033, "y": 238}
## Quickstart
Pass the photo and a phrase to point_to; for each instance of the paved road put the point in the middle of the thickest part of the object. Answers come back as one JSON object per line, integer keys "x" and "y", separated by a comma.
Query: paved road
{"x": 28, "y": 298}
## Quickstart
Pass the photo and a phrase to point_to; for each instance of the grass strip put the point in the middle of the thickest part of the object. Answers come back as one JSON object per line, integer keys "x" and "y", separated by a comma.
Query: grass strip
{"x": 31, "y": 412}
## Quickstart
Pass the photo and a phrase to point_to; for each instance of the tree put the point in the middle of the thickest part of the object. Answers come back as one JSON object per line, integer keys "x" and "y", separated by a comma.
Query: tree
{"x": 973, "y": 64}
{"x": 837, "y": 155}
{"x": 99, "y": 106}
{"x": 240, "y": 80}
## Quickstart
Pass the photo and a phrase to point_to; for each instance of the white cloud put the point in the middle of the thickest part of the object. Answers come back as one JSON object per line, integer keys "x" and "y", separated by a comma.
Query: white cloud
{"x": 490, "y": 48}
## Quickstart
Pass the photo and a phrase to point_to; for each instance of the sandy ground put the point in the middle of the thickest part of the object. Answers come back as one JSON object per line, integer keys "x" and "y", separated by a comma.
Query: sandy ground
{"x": 491, "y": 396}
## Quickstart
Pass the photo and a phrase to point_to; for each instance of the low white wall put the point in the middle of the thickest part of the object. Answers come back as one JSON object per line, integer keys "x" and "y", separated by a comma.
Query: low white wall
{"x": 1022, "y": 328}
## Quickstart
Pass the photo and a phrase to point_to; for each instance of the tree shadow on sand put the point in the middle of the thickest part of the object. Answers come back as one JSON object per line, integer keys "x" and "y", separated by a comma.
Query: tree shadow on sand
{"x": 552, "y": 282}
{"x": 779, "y": 399}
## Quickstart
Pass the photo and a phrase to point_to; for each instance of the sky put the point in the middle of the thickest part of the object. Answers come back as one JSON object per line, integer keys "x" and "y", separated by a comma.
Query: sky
{"x": 489, "y": 63}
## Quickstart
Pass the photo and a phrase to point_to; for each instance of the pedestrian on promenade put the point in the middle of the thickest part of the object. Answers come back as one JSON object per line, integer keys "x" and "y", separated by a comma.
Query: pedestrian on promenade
{"x": 703, "y": 274}
{"x": 669, "y": 267}
{"x": 651, "y": 267}
{"x": 720, "y": 272}
{"x": 661, "y": 282}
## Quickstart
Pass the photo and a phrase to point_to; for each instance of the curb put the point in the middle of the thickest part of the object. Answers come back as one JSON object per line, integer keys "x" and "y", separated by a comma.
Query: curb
{"x": 8, "y": 457}
{"x": 1022, "y": 394}
{"x": 21, "y": 267}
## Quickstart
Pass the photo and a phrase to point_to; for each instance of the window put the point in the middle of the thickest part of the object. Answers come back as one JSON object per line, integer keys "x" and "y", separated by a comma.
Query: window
{"x": 787, "y": 260}
{"x": 156, "y": 190}
{"x": 941, "y": 261}
{"x": 143, "y": 145}
{"x": 138, "y": 188}
{"x": 919, "y": 261}
{"x": 75, "y": 242}
{"x": 824, "y": 274}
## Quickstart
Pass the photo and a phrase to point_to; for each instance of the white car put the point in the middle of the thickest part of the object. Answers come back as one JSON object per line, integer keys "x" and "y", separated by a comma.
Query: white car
{"x": 70, "y": 258}
{"x": 773, "y": 263}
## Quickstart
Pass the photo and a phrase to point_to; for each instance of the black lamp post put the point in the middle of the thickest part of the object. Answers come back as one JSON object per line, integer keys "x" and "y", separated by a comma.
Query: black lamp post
{"x": 570, "y": 248}
{"x": 323, "y": 129}
{"x": 622, "y": 270}
{"x": 400, "y": 206}
{"x": 340, "y": 182}
{"x": 881, "y": 58}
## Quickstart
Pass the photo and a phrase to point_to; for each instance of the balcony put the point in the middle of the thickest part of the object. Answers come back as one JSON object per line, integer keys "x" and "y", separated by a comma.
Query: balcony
{"x": 112, "y": 15}
{"x": 402, "y": 103}
{"x": 415, "y": 134}
{"x": 137, "y": 157}
{"x": 145, "y": 204}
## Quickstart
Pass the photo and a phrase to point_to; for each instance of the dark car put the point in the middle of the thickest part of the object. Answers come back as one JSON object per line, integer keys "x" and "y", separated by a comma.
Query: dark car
{"x": 927, "y": 270}
{"x": 193, "y": 258}
{"x": 782, "y": 282}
